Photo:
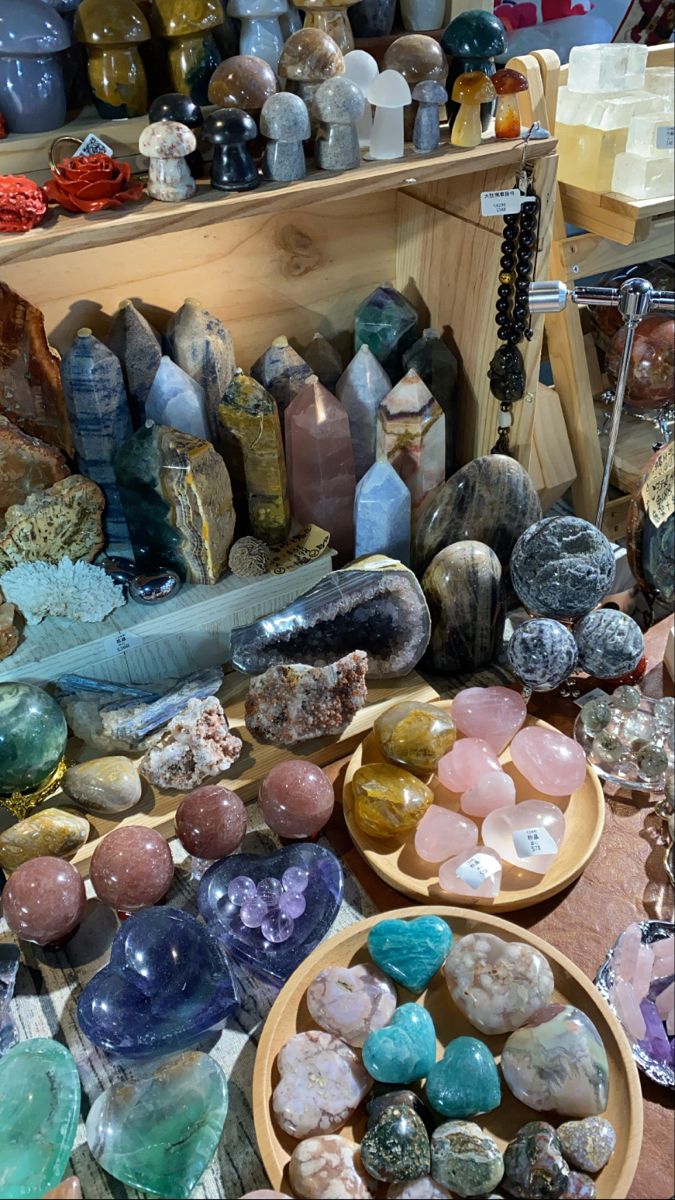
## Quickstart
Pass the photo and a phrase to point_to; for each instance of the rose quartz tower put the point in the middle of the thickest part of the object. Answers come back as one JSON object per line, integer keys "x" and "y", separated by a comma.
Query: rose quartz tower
{"x": 44, "y": 900}
{"x": 131, "y": 868}
{"x": 320, "y": 465}
{"x": 211, "y": 822}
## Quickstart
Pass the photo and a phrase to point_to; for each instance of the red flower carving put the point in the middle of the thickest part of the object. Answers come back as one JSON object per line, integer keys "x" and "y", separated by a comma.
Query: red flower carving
{"x": 22, "y": 204}
{"x": 92, "y": 182}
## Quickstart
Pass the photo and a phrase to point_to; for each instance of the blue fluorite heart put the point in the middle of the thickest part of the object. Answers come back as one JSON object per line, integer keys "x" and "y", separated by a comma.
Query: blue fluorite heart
{"x": 405, "y": 1050}
{"x": 166, "y": 986}
{"x": 323, "y": 897}
{"x": 410, "y": 951}
{"x": 465, "y": 1082}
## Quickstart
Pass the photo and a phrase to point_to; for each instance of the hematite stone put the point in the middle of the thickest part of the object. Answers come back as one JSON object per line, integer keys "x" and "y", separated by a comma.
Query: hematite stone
{"x": 492, "y": 500}
{"x": 610, "y": 644}
{"x": 463, "y": 587}
{"x": 381, "y": 610}
{"x": 396, "y": 1146}
{"x": 562, "y": 567}
{"x": 542, "y": 653}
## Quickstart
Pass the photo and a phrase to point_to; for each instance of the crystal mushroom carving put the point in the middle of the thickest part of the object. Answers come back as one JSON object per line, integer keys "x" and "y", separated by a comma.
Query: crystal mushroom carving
{"x": 390, "y": 94}
{"x": 362, "y": 69}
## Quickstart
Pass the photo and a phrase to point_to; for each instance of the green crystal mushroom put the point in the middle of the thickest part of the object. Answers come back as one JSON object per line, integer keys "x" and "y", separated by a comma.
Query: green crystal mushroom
{"x": 472, "y": 41}
{"x": 39, "y": 1111}
{"x": 33, "y": 735}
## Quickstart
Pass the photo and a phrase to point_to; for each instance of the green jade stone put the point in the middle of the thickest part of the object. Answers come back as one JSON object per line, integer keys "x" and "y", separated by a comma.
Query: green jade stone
{"x": 160, "y": 1132}
{"x": 33, "y": 735}
{"x": 39, "y": 1111}
{"x": 465, "y": 1081}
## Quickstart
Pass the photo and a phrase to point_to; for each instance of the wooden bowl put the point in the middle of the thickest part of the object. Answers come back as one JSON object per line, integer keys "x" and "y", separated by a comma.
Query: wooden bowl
{"x": 289, "y": 1016}
{"x": 396, "y": 861}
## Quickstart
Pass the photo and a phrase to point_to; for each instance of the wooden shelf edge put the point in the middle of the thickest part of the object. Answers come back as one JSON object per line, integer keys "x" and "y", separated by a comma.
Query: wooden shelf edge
{"x": 64, "y": 232}
{"x": 611, "y": 215}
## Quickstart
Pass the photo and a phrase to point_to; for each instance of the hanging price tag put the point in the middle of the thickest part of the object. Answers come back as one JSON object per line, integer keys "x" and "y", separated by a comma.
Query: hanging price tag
{"x": 528, "y": 842}
{"x": 117, "y": 643}
{"x": 93, "y": 145}
{"x": 665, "y": 137}
{"x": 477, "y": 869}
{"x": 500, "y": 204}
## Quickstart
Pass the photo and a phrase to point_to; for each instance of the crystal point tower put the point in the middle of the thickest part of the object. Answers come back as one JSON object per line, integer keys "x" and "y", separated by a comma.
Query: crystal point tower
{"x": 202, "y": 347}
{"x": 411, "y": 436}
{"x": 320, "y": 464}
{"x": 137, "y": 346}
{"x": 360, "y": 390}
{"x": 382, "y": 514}
{"x": 250, "y": 438}
{"x": 177, "y": 400}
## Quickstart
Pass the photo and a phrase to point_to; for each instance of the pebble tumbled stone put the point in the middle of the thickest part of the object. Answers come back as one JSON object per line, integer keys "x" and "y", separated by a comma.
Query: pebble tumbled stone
{"x": 465, "y": 1159}
{"x": 350, "y": 1002}
{"x": 51, "y": 832}
{"x": 463, "y": 588}
{"x": 322, "y": 1083}
{"x": 610, "y": 644}
{"x": 424, "y": 1188}
{"x": 587, "y": 1144}
{"x": 396, "y": 1145}
{"x": 104, "y": 785}
{"x": 542, "y": 653}
{"x": 495, "y": 983}
{"x": 327, "y": 1166}
{"x": 534, "y": 1167}
{"x": 562, "y": 567}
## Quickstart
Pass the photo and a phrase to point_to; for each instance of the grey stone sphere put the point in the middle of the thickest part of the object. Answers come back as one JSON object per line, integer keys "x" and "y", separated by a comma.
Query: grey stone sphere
{"x": 610, "y": 644}
{"x": 542, "y": 653}
{"x": 562, "y": 567}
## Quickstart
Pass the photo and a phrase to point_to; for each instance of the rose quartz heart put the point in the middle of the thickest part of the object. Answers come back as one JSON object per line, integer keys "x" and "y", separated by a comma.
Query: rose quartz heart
{"x": 467, "y": 761}
{"x": 496, "y": 789}
{"x": 528, "y": 834}
{"x": 474, "y": 875}
{"x": 442, "y": 832}
{"x": 551, "y": 762}
{"x": 494, "y": 714}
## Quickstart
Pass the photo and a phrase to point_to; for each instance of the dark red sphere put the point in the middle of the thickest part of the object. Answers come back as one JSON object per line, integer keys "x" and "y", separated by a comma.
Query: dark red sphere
{"x": 211, "y": 822}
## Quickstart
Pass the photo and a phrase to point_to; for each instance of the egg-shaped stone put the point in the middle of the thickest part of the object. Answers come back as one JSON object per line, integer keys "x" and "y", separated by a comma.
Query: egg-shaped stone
{"x": 463, "y": 588}
{"x": 52, "y": 832}
{"x": 104, "y": 785}
{"x": 562, "y": 567}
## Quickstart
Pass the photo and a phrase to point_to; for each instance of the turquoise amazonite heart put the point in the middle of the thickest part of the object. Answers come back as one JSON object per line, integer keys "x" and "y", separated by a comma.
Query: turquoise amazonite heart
{"x": 411, "y": 952}
{"x": 39, "y": 1110}
{"x": 405, "y": 1050}
{"x": 465, "y": 1082}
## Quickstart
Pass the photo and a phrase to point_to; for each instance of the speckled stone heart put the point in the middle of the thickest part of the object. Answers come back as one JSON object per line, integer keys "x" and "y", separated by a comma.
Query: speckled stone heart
{"x": 411, "y": 952}
{"x": 405, "y": 1050}
{"x": 465, "y": 1082}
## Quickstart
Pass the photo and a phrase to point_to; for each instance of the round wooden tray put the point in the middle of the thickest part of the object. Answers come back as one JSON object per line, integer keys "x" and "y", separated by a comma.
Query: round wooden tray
{"x": 289, "y": 1015}
{"x": 395, "y": 859}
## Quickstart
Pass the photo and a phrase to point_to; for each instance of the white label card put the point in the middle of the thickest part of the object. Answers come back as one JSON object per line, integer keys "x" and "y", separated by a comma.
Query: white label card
{"x": 500, "y": 204}
{"x": 665, "y": 137}
{"x": 595, "y": 694}
{"x": 528, "y": 842}
{"x": 117, "y": 643}
{"x": 93, "y": 145}
{"x": 477, "y": 869}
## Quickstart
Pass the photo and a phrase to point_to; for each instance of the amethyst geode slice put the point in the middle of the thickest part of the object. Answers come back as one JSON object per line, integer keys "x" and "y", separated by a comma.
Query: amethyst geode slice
{"x": 380, "y": 611}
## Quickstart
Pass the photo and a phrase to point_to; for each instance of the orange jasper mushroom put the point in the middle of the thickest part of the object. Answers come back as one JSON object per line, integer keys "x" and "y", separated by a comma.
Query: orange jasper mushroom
{"x": 507, "y": 83}
{"x": 470, "y": 91}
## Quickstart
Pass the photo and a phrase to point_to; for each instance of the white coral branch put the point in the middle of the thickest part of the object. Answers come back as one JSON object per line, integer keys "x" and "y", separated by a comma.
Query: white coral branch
{"x": 77, "y": 590}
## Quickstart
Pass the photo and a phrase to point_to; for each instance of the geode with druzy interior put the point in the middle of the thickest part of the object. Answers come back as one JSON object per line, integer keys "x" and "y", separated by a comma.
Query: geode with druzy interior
{"x": 377, "y": 606}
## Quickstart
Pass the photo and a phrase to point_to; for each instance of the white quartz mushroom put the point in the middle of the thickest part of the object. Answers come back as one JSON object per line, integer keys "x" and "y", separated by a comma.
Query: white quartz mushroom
{"x": 166, "y": 144}
{"x": 362, "y": 69}
{"x": 390, "y": 94}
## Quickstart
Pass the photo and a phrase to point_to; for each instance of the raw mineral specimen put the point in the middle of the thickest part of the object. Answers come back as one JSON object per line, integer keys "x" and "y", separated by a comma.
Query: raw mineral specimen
{"x": 464, "y": 591}
{"x": 134, "y": 719}
{"x": 396, "y": 1145}
{"x": 9, "y": 634}
{"x": 383, "y": 611}
{"x": 497, "y": 984}
{"x": 289, "y": 704}
{"x": 320, "y": 462}
{"x": 27, "y": 465}
{"x": 137, "y": 346}
{"x": 30, "y": 381}
{"x": 39, "y": 1111}
{"x": 411, "y": 436}
{"x": 322, "y": 1083}
{"x": 282, "y": 372}
{"x": 350, "y": 1002}
{"x": 66, "y": 519}
{"x": 249, "y": 558}
{"x": 387, "y": 323}
{"x": 328, "y": 1166}
{"x": 202, "y": 346}
{"x": 196, "y": 744}
{"x": 558, "y": 1033}
{"x": 249, "y": 436}
{"x": 177, "y": 400}
{"x": 103, "y": 785}
{"x": 562, "y": 567}
{"x": 51, "y": 832}
{"x": 177, "y": 500}
{"x": 159, "y": 1133}
{"x": 466, "y": 1159}
{"x": 79, "y": 591}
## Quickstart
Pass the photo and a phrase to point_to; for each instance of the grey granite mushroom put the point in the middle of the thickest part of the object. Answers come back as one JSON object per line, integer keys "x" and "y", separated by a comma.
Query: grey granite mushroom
{"x": 285, "y": 121}
{"x": 338, "y": 104}
{"x": 429, "y": 96}
{"x": 167, "y": 144}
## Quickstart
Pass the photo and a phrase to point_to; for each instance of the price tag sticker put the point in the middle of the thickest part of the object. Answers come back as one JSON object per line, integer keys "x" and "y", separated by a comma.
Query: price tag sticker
{"x": 595, "y": 694}
{"x": 117, "y": 643}
{"x": 477, "y": 869}
{"x": 528, "y": 842}
{"x": 93, "y": 145}
{"x": 665, "y": 137}
{"x": 500, "y": 204}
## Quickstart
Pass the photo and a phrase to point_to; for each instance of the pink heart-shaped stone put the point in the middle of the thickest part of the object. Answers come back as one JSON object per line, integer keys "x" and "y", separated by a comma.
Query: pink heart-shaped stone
{"x": 550, "y": 761}
{"x": 442, "y": 832}
{"x": 494, "y": 790}
{"x": 494, "y": 714}
{"x": 467, "y": 761}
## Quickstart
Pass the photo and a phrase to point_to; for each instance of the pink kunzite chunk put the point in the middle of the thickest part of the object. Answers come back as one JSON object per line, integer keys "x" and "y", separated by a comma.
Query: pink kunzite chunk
{"x": 494, "y": 790}
{"x": 664, "y": 958}
{"x": 322, "y": 1082}
{"x": 350, "y": 1002}
{"x": 442, "y": 832}
{"x": 474, "y": 875}
{"x": 550, "y": 761}
{"x": 628, "y": 1009}
{"x": 627, "y": 952}
{"x": 642, "y": 974}
{"x": 494, "y": 714}
{"x": 320, "y": 464}
{"x": 529, "y": 835}
{"x": 469, "y": 759}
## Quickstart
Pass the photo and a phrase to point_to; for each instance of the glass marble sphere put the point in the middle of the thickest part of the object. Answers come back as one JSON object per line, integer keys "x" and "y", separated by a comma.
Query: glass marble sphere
{"x": 33, "y": 736}
{"x": 240, "y": 889}
{"x": 652, "y": 762}
{"x": 277, "y": 927}
{"x": 626, "y": 698}
{"x": 269, "y": 891}
{"x": 293, "y": 904}
{"x": 44, "y": 900}
{"x": 607, "y": 749}
{"x": 651, "y": 374}
{"x": 664, "y": 711}
{"x": 296, "y": 798}
{"x": 595, "y": 715}
{"x": 295, "y": 879}
{"x": 131, "y": 868}
{"x": 252, "y": 912}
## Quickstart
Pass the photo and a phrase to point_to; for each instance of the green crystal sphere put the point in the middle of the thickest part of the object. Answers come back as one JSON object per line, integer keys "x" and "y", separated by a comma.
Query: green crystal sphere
{"x": 33, "y": 735}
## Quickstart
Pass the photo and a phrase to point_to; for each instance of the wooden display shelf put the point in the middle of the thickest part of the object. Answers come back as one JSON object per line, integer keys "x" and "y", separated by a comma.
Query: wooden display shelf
{"x": 618, "y": 218}
{"x": 64, "y": 232}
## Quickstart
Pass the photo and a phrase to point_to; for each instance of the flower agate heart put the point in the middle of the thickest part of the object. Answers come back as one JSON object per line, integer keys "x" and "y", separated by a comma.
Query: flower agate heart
{"x": 321, "y": 1084}
{"x": 560, "y": 1034}
{"x": 39, "y": 1111}
{"x": 465, "y": 1082}
{"x": 494, "y": 714}
{"x": 550, "y": 761}
{"x": 406, "y": 1050}
{"x": 328, "y": 1166}
{"x": 410, "y": 952}
{"x": 167, "y": 984}
{"x": 528, "y": 834}
{"x": 469, "y": 759}
{"x": 494, "y": 790}
{"x": 497, "y": 985}
{"x": 350, "y": 1002}
{"x": 442, "y": 832}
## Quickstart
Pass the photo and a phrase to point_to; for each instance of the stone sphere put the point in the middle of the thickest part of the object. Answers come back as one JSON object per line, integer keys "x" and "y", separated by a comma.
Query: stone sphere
{"x": 44, "y": 900}
{"x": 296, "y": 798}
{"x": 33, "y": 736}
{"x": 211, "y": 822}
{"x": 562, "y": 567}
{"x": 131, "y": 868}
{"x": 610, "y": 644}
{"x": 542, "y": 653}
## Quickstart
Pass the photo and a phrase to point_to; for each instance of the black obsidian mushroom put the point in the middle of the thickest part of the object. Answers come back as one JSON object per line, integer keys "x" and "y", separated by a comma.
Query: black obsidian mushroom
{"x": 233, "y": 169}
{"x": 175, "y": 107}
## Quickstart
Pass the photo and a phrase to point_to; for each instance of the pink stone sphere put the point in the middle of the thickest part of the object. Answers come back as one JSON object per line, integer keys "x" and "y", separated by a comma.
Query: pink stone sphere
{"x": 550, "y": 761}
{"x": 467, "y": 761}
{"x": 44, "y": 900}
{"x": 296, "y": 798}
{"x": 494, "y": 714}
{"x": 211, "y": 822}
{"x": 131, "y": 868}
{"x": 265, "y": 1194}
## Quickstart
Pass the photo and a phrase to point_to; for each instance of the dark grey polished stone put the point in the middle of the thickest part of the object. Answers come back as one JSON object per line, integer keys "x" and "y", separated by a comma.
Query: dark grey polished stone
{"x": 463, "y": 587}
{"x": 562, "y": 567}
{"x": 610, "y": 644}
{"x": 542, "y": 653}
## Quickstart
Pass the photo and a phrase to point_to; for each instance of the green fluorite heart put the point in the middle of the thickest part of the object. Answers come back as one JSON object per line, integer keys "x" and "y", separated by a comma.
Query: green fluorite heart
{"x": 405, "y": 1050}
{"x": 465, "y": 1082}
{"x": 39, "y": 1110}
{"x": 159, "y": 1133}
{"x": 411, "y": 952}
